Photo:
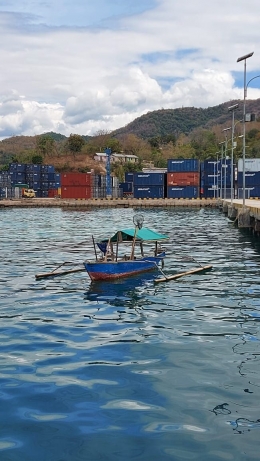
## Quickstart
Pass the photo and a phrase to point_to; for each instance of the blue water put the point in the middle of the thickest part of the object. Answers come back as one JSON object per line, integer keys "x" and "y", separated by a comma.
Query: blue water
{"x": 130, "y": 370}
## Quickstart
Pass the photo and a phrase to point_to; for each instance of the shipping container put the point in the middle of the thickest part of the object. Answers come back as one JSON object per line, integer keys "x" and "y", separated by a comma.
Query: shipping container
{"x": 76, "y": 192}
{"x": 210, "y": 192}
{"x": 154, "y": 170}
{"x": 182, "y": 165}
{"x": 127, "y": 187}
{"x": 33, "y": 177}
{"x": 76, "y": 179}
{"x": 189, "y": 192}
{"x": 129, "y": 177}
{"x": 183, "y": 179}
{"x": 17, "y": 177}
{"x": 35, "y": 185}
{"x": 47, "y": 169}
{"x": 254, "y": 191}
{"x": 47, "y": 176}
{"x": 210, "y": 166}
{"x": 52, "y": 193}
{"x": 251, "y": 164}
{"x": 57, "y": 179}
{"x": 5, "y": 179}
{"x": 251, "y": 179}
{"x": 149, "y": 179}
{"x": 32, "y": 168}
{"x": 3, "y": 192}
{"x": 149, "y": 192}
{"x": 99, "y": 180}
{"x": 17, "y": 167}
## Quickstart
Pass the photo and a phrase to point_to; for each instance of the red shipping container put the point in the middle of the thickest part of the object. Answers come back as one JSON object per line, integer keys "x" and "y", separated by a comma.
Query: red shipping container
{"x": 52, "y": 193}
{"x": 76, "y": 179}
{"x": 76, "y": 192}
{"x": 183, "y": 179}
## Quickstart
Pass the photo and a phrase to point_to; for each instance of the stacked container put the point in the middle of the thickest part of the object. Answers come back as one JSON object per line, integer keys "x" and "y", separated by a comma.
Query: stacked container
{"x": 6, "y": 190}
{"x": 210, "y": 178}
{"x": 149, "y": 185}
{"x": 183, "y": 178}
{"x": 76, "y": 185}
{"x": 252, "y": 177}
{"x": 17, "y": 173}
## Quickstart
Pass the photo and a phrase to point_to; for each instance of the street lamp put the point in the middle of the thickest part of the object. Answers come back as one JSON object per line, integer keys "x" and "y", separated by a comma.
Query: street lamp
{"x": 221, "y": 166}
{"x": 244, "y": 58}
{"x": 225, "y": 176}
{"x": 232, "y": 109}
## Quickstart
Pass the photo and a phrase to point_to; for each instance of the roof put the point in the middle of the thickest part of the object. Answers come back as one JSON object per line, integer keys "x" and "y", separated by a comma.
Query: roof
{"x": 144, "y": 234}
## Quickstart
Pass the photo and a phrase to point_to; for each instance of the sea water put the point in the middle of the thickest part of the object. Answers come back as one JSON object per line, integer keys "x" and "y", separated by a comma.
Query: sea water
{"x": 129, "y": 370}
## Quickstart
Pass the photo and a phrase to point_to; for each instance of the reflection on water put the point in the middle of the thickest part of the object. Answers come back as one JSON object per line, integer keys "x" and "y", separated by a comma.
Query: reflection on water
{"x": 128, "y": 370}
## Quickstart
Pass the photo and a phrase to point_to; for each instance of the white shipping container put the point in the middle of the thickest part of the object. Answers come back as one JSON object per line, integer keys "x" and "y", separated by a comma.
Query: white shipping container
{"x": 251, "y": 164}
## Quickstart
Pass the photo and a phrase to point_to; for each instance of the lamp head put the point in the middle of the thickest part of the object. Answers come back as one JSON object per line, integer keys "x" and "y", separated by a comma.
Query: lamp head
{"x": 242, "y": 58}
{"x": 234, "y": 107}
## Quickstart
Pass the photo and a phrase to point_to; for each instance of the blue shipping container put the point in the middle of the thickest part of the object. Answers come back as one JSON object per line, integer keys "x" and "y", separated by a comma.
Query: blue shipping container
{"x": 148, "y": 192}
{"x": 47, "y": 169}
{"x": 149, "y": 179}
{"x": 255, "y": 191}
{"x": 32, "y": 168}
{"x": 210, "y": 192}
{"x": 127, "y": 187}
{"x": 57, "y": 179}
{"x": 182, "y": 192}
{"x": 183, "y": 165}
{"x": 251, "y": 179}
{"x": 18, "y": 167}
{"x": 129, "y": 177}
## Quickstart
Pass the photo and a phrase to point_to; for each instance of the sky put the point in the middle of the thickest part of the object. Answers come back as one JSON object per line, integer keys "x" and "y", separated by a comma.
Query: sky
{"x": 90, "y": 66}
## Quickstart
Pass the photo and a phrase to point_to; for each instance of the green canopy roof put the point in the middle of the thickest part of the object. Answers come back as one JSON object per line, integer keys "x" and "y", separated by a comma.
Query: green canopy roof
{"x": 144, "y": 234}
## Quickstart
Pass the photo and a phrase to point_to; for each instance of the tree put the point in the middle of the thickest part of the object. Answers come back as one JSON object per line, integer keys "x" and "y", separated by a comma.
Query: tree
{"x": 37, "y": 159}
{"x": 75, "y": 143}
{"x": 45, "y": 145}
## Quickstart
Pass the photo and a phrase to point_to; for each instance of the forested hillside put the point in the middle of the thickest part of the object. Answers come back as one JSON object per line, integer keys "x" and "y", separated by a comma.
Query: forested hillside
{"x": 186, "y": 132}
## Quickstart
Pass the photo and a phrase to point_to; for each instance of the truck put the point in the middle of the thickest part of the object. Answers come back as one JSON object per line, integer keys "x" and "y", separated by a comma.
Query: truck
{"x": 28, "y": 193}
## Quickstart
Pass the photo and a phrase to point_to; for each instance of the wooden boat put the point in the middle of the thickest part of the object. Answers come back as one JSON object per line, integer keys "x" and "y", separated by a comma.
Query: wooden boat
{"x": 111, "y": 265}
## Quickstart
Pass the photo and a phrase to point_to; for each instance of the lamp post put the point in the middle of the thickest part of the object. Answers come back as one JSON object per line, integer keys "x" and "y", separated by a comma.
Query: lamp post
{"x": 225, "y": 176}
{"x": 244, "y": 58}
{"x": 108, "y": 151}
{"x": 232, "y": 109}
{"x": 221, "y": 166}
{"x": 216, "y": 153}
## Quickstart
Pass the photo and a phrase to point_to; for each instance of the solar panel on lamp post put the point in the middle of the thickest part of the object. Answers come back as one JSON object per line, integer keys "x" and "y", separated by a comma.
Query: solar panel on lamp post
{"x": 244, "y": 58}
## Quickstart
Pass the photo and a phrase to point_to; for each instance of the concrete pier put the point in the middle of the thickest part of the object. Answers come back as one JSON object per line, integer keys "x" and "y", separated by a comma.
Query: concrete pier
{"x": 107, "y": 203}
{"x": 245, "y": 215}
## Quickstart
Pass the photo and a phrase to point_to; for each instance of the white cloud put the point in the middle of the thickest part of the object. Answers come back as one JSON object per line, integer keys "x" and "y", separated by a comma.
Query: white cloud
{"x": 74, "y": 67}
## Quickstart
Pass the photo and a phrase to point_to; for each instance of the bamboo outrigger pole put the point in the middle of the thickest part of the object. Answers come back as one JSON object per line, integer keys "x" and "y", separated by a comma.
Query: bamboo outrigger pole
{"x": 56, "y": 274}
{"x": 182, "y": 274}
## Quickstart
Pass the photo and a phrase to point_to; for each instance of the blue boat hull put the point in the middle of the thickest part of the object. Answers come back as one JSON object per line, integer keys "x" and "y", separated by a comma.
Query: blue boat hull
{"x": 111, "y": 270}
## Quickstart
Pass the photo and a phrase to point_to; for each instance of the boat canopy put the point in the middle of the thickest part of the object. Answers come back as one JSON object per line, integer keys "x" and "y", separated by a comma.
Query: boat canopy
{"x": 144, "y": 234}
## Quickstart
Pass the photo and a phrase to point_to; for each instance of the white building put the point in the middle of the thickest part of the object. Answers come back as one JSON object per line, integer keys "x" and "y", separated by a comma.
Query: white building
{"x": 122, "y": 158}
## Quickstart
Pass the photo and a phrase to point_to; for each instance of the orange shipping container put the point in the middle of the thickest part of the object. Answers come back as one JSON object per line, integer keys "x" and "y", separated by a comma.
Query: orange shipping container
{"x": 76, "y": 192}
{"x": 183, "y": 179}
{"x": 76, "y": 179}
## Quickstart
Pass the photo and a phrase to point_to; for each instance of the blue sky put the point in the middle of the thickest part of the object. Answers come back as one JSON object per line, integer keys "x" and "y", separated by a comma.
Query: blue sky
{"x": 89, "y": 66}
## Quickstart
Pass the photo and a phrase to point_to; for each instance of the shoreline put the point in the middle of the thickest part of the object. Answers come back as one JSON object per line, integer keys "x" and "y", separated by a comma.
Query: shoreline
{"x": 106, "y": 203}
